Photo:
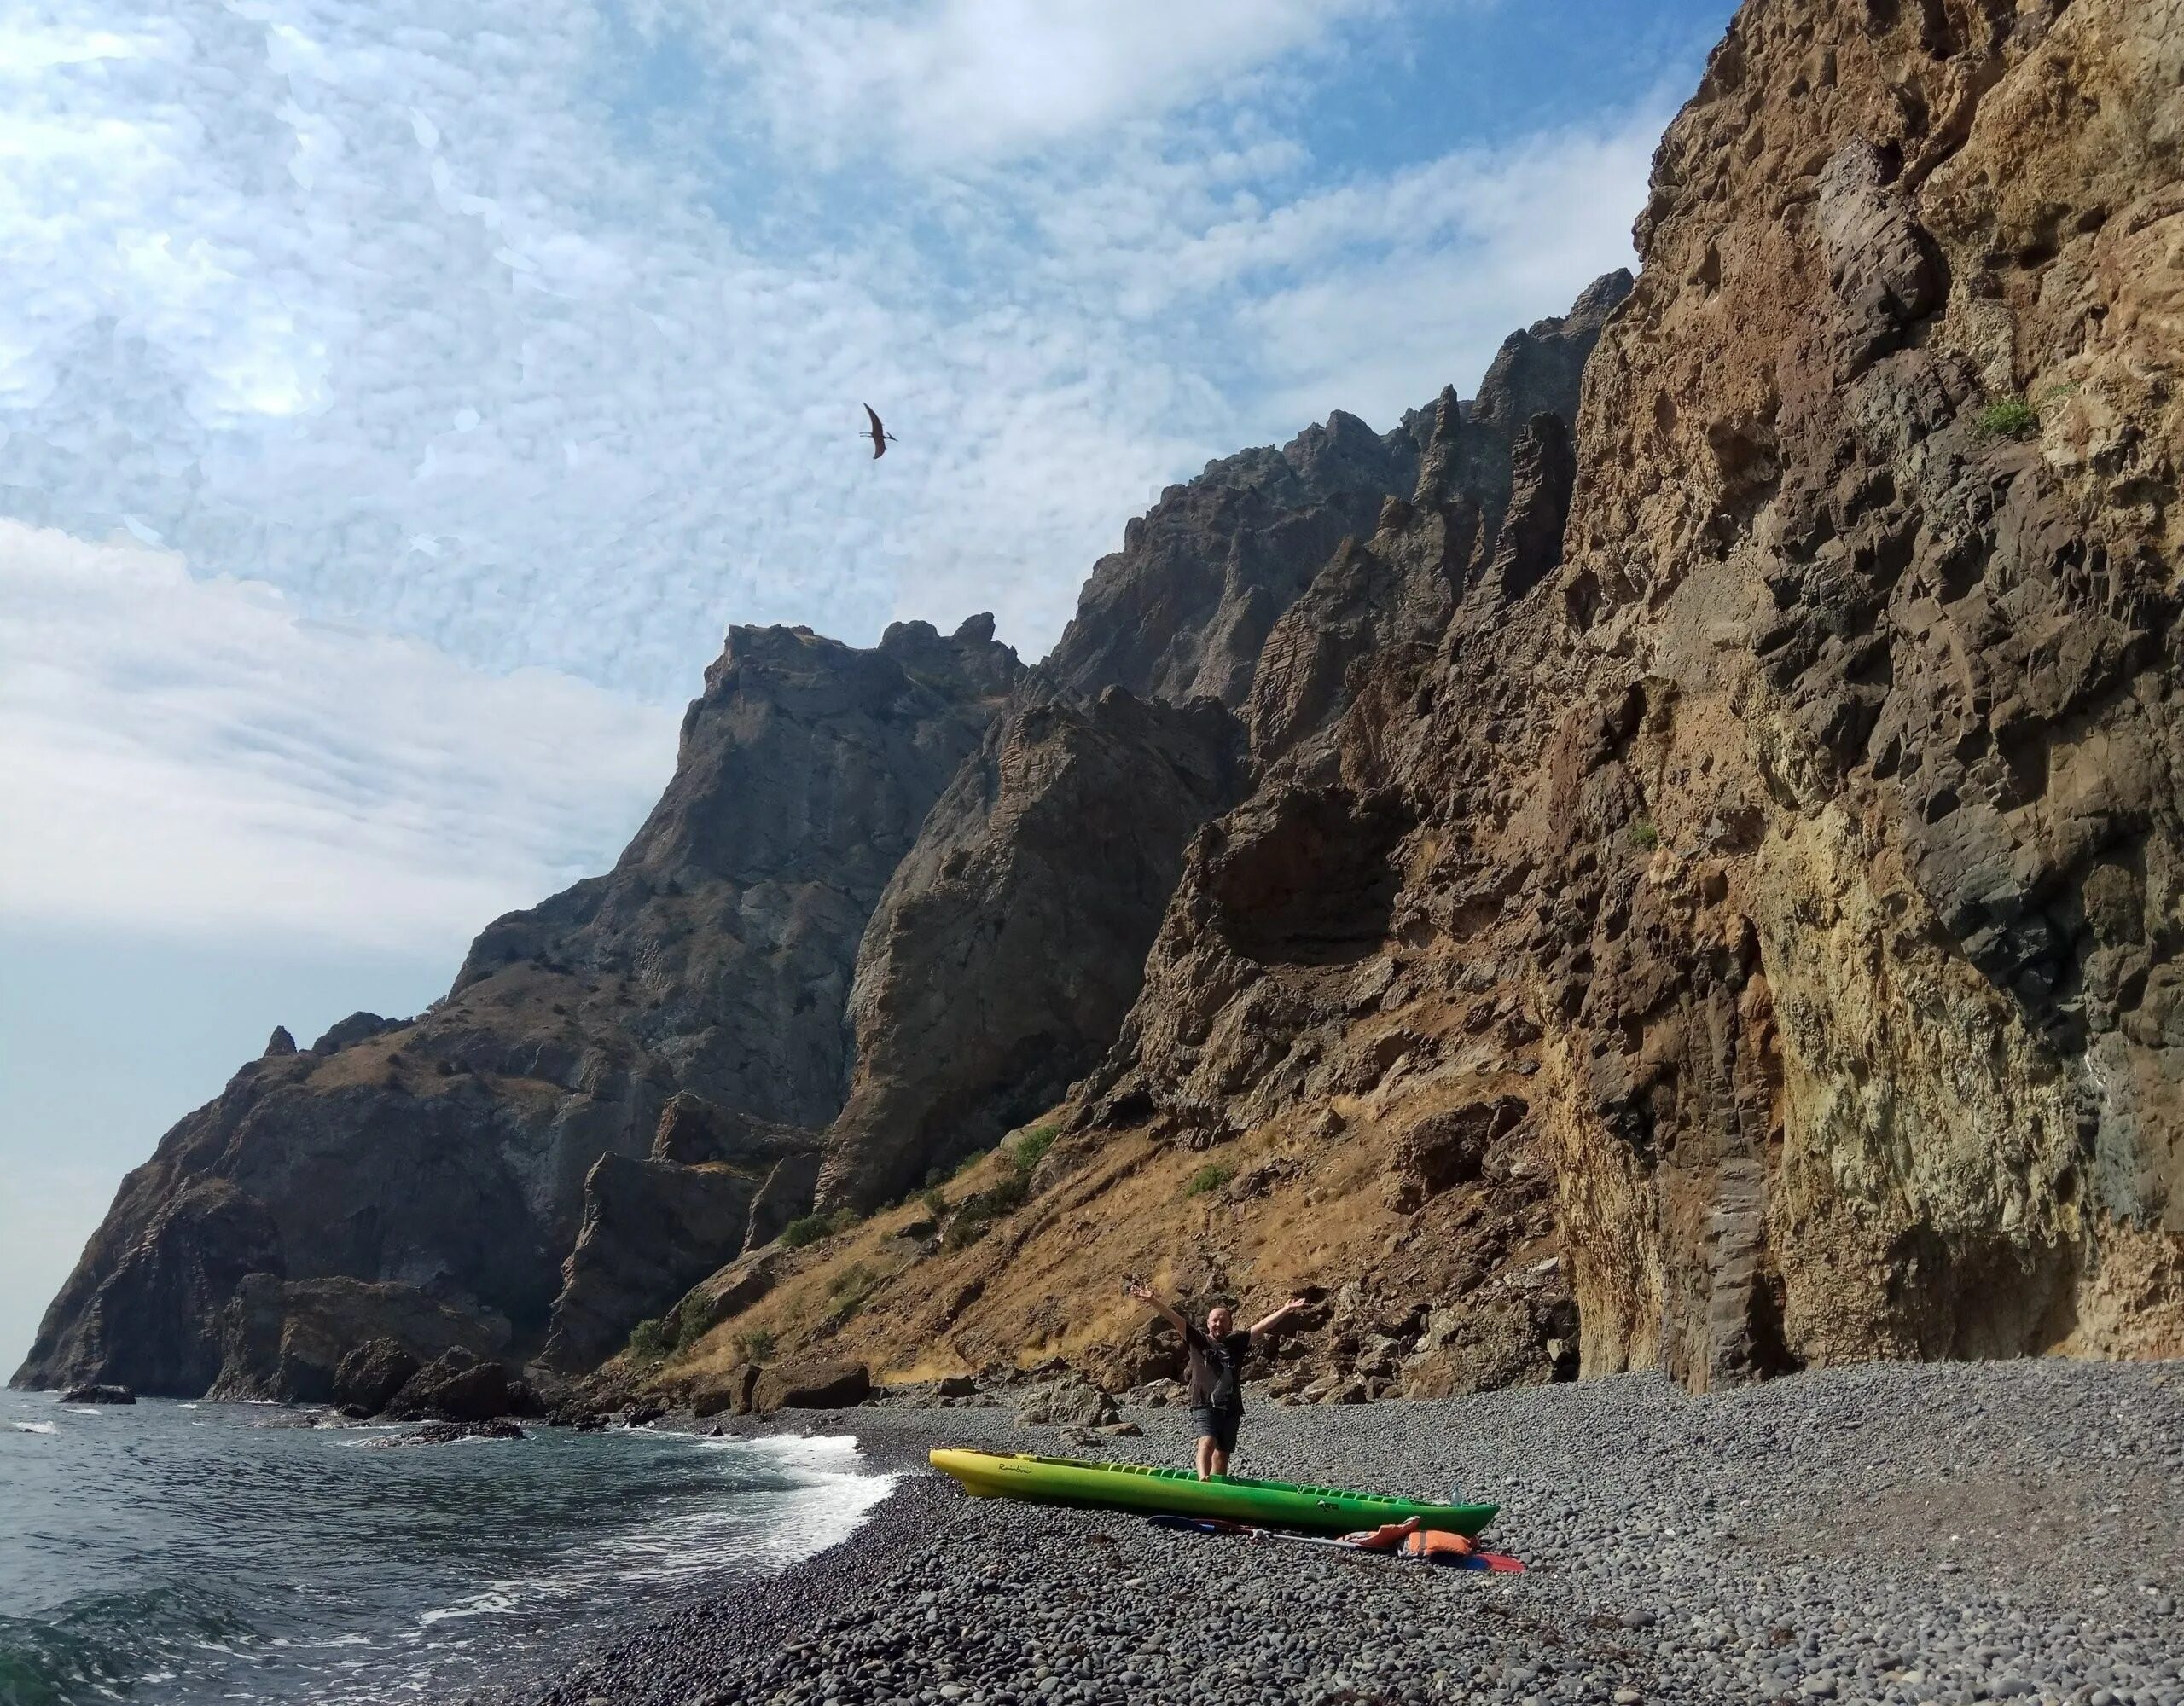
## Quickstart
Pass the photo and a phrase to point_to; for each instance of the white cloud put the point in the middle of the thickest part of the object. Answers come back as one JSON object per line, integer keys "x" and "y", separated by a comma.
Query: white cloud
{"x": 954, "y": 81}
{"x": 189, "y": 758}
{"x": 480, "y": 327}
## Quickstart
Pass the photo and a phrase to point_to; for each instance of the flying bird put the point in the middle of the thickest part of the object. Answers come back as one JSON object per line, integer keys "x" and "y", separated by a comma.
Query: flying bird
{"x": 881, "y": 438}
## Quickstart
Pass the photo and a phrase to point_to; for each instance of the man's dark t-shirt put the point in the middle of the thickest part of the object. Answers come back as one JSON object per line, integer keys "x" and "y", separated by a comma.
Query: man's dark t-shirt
{"x": 1217, "y": 1368}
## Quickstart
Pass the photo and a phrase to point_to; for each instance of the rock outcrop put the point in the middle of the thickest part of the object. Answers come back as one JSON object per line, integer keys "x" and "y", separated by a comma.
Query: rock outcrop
{"x": 1012, "y": 942}
{"x": 98, "y": 1395}
{"x": 287, "y": 1340}
{"x": 653, "y": 1227}
{"x": 369, "y": 1376}
{"x": 1182, "y": 611}
{"x": 449, "y": 1154}
{"x": 456, "y": 1386}
{"x": 1795, "y": 835}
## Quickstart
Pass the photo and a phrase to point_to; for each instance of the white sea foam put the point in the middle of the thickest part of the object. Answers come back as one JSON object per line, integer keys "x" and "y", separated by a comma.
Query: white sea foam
{"x": 36, "y": 1428}
{"x": 485, "y": 1604}
{"x": 822, "y": 1498}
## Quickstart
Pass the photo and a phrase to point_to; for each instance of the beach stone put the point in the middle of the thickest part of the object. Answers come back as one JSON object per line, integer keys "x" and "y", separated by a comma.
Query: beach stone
{"x": 810, "y": 1386}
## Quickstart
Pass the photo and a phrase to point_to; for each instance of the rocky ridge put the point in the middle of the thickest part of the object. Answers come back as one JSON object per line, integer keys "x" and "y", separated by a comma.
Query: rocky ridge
{"x": 443, "y": 1162}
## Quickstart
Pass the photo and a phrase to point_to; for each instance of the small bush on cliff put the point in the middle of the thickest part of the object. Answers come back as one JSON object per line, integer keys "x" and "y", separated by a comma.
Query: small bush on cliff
{"x": 936, "y": 1202}
{"x": 649, "y": 1341}
{"x": 2007, "y": 417}
{"x": 812, "y": 1227}
{"x": 1212, "y": 1178}
{"x": 755, "y": 1346}
{"x": 1024, "y": 1154}
{"x": 1643, "y": 836}
{"x": 981, "y": 1209}
{"x": 689, "y": 1327}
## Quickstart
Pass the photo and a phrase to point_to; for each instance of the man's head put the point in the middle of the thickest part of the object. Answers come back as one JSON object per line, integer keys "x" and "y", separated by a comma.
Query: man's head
{"x": 1219, "y": 1321}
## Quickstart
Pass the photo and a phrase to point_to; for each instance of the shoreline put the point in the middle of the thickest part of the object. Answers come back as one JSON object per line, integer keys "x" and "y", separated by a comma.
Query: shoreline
{"x": 1889, "y": 1532}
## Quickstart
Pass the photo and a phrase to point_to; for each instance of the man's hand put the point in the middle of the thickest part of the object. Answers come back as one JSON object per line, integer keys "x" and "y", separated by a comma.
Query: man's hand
{"x": 1295, "y": 1304}
{"x": 1143, "y": 1293}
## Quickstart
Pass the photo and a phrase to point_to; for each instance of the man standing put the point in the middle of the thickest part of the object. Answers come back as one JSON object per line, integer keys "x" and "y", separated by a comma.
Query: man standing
{"x": 1216, "y": 1374}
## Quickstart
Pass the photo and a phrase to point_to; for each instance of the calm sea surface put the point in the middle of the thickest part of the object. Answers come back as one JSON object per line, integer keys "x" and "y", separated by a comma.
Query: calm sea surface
{"x": 183, "y": 1553}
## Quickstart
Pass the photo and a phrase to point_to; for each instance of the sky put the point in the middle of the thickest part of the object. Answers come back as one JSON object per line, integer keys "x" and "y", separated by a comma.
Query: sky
{"x": 398, "y": 402}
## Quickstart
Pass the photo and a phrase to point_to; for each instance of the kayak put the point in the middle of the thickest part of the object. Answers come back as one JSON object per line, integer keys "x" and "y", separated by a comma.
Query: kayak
{"x": 1178, "y": 1492}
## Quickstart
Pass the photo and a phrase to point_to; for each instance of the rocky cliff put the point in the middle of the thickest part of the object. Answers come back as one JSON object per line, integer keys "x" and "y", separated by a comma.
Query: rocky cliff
{"x": 1683, "y": 874}
{"x": 1800, "y": 844}
{"x": 447, "y": 1159}
{"x": 1012, "y": 941}
{"x": 1735, "y": 924}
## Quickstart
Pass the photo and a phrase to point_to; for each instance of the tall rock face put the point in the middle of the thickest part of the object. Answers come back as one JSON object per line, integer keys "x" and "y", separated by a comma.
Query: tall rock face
{"x": 1012, "y": 941}
{"x": 448, "y": 1156}
{"x": 1795, "y": 836}
{"x": 1010, "y": 944}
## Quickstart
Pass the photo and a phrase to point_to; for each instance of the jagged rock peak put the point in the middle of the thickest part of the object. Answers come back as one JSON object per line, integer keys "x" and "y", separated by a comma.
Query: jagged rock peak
{"x": 280, "y": 1042}
{"x": 715, "y": 958}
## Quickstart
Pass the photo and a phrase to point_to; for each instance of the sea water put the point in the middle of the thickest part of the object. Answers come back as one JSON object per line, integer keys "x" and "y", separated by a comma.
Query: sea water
{"x": 169, "y": 1551}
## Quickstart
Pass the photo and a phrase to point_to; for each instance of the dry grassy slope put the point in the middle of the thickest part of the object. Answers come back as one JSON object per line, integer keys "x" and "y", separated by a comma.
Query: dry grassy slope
{"x": 1298, "y": 1208}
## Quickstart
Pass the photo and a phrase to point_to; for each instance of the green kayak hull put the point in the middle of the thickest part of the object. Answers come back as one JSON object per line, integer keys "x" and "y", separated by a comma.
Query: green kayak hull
{"x": 1180, "y": 1492}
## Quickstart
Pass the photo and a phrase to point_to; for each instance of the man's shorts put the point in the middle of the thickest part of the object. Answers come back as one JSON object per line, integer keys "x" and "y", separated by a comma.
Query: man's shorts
{"x": 1218, "y": 1425}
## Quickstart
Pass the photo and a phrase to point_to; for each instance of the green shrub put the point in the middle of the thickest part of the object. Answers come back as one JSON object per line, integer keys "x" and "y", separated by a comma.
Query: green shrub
{"x": 689, "y": 1327}
{"x": 755, "y": 1346}
{"x": 1208, "y": 1178}
{"x": 1643, "y": 836}
{"x": 2007, "y": 417}
{"x": 981, "y": 1209}
{"x": 812, "y": 1227}
{"x": 936, "y": 1202}
{"x": 648, "y": 1341}
{"x": 1024, "y": 1154}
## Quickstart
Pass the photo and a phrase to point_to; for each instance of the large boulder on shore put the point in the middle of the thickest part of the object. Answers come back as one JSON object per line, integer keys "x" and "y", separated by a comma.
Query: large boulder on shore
{"x": 811, "y": 1386}
{"x": 734, "y": 1393}
{"x": 370, "y": 1375}
{"x": 457, "y": 1387}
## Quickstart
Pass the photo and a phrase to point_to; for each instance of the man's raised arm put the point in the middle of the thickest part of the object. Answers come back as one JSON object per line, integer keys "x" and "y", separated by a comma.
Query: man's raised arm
{"x": 1279, "y": 1316}
{"x": 1174, "y": 1318}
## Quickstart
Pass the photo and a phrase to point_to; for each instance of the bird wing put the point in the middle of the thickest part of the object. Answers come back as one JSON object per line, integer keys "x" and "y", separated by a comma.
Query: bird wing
{"x": 879, "y": 434}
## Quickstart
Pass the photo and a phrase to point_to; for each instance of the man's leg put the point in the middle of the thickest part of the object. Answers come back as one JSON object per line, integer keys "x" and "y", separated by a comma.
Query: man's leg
{"x": 1207, "y": 1452}
{"x": 1219, "y": 1459}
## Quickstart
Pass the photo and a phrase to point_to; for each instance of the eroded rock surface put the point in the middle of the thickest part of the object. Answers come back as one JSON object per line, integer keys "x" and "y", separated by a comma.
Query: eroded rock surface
{"x": 1011, "y": 943}
{"x": 1795, "y": 835}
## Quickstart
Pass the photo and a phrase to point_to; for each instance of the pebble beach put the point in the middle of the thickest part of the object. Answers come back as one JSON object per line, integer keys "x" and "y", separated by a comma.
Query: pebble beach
{"x": 1886, "y": 1533}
